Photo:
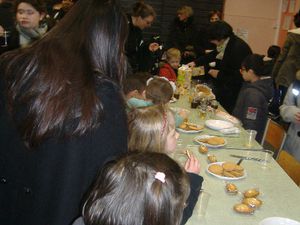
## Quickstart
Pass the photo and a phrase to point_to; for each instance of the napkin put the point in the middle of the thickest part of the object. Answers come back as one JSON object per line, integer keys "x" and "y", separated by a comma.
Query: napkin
{"x": 232, "y": 130}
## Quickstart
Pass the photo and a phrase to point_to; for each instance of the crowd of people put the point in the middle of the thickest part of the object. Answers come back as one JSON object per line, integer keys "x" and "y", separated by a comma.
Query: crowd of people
{"x": 86, "y": 129}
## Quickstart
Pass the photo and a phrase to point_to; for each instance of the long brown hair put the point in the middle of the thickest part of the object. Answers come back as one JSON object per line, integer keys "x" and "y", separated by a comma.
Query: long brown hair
{"x": 127, "y": 192}
{"x": 57, "y": 80}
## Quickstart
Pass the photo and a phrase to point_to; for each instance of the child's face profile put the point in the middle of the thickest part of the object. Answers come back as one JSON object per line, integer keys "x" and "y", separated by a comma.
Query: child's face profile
{"x": 174, "y": 62}
{"x": 172, "y": 137}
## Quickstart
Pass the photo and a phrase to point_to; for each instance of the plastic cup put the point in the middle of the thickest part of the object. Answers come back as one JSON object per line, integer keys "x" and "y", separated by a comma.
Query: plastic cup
{"x": 203, "y": 202}
{"x": 266, "y": 157}
{"x": 250, "y": 136}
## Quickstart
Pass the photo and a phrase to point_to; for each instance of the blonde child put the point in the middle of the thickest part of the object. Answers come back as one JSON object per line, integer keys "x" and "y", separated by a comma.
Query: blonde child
{"x": 137, "y": 189}
{"x": 152, "y": 129}
{"x": 169, "y": 69}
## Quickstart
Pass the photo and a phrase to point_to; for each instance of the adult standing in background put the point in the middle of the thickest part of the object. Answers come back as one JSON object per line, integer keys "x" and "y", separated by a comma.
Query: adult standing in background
{"x": 205, "y": 46}
{"x": 224, "y": 63}
{"x": 29, "y": 25}
{"x": 183, "y": 34}
{"x": 140, "y": 53}
{"x": 61, "y": 114}
{"x": 290, "y": 112}
{"x": 288, "y": 61}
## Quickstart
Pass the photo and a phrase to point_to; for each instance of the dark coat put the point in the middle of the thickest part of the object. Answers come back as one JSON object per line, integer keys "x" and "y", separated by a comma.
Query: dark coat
{"x": 252, "y": 105}
{"x": 136, "y": 48}
{"x": 288, "y": 62}
{"x": 181, "y": 34}
{"x": 229, "y": 80}
{"x": 45, "y": 185}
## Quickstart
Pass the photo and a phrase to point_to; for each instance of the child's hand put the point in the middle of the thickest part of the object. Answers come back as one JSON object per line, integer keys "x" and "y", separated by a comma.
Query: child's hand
{"x": 214, "y": 73}
{"x": 192, "y": 165}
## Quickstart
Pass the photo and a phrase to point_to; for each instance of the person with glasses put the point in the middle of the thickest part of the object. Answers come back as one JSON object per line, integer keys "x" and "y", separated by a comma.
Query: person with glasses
{"x": 252, "y": 104}
{"x": 140, "y": 54}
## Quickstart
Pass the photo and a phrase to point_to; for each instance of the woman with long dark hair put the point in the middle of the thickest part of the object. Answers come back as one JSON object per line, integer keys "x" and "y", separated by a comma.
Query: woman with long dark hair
{"x": 61, "y": 114}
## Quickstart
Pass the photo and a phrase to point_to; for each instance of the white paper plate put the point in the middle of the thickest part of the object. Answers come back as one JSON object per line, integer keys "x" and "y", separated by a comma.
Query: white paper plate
{"x": 190, "y": 131}
{"x": 218, "y": 124}
{"x": 222, "y": 177}
{"x": 206, "y": 144}
{"x": 278, "y": 221}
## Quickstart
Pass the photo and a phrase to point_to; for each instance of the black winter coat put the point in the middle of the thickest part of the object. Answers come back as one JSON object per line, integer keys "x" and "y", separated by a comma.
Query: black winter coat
{"x": 229, "y": 80}
{"x": 252, "y": 105}
{"x": 182, "y": 34}
{"x": 45, "y": 185}
{"x": 136, "y": 49}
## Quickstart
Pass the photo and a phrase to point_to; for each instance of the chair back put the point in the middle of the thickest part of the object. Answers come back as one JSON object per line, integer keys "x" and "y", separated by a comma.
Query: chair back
{"x": 290, "y": 165}
{"x": 274, "y": 137}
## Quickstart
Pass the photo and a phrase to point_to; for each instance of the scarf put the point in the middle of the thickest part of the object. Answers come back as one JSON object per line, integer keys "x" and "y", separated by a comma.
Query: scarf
{"x": 221, "y": 49}
{"x": 27, "y": 36}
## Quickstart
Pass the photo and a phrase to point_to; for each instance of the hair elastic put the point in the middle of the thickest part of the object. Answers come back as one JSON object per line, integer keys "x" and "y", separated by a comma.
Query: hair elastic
{"x": 160, "y": 176}
{"x": 173, "y": 85}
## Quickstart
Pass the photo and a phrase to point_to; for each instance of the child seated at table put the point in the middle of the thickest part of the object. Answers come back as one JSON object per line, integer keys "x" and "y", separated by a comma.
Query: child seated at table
{"x": 153, "y": 129}
{"x": 154, "y": 91}
{"x": 138, "y": 188}
{"x": 134, "y": 89}
{"x": 169, "y": 69}
{"x": 252, "y": 103}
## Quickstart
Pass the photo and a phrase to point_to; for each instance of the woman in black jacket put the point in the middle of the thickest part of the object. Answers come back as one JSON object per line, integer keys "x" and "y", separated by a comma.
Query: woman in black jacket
{"x": 183, "y": 34}
{"x": 223, "y": 64}
{"x": 140, "y": 53}
{"x": 61, "y": 114}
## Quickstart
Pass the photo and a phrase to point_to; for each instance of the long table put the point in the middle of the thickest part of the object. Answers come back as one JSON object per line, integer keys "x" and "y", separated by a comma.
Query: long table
{"x": 280, "y": 195}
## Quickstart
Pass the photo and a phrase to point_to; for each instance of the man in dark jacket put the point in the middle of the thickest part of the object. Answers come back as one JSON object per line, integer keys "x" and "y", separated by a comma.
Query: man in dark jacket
{"x": 252, "y": 103}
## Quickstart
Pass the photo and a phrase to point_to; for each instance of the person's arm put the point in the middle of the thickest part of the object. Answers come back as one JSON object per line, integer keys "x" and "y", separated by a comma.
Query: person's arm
{"x": 229, "y": 70}
{"x": 288, "y": 109}
{"x": 195, "y": 187}
{"x": 281, "y": 58}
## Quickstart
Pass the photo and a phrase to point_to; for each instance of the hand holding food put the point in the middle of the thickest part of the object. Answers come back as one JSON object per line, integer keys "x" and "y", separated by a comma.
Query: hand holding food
{"x": 192, "y": 164}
